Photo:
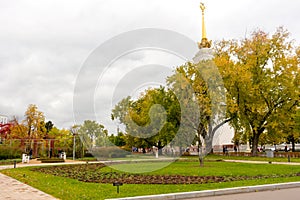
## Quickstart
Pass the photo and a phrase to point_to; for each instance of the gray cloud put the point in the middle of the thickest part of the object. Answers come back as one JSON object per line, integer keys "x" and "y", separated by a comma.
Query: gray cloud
{"x": 44, "y": 43}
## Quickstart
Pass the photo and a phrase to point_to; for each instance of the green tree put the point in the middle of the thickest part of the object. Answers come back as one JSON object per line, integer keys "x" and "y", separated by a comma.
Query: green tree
{"x": 49, "y": 125}
{"x": 93, "y": 134}
{"x": 118, "y": 140}
{"x": 292, "y": 127}
{"x": 261, "y": 76}
{"x": 297, "y": 120}
{"x": 150, "y": 120}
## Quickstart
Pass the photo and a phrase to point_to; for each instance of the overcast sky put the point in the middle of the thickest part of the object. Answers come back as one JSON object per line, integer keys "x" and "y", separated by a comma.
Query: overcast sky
{"x": 45, "y": 43}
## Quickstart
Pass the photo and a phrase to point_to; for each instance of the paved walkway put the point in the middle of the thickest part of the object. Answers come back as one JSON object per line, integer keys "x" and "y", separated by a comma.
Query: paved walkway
{"x": 15, "y": 190}
{"x": 11, "y": 189}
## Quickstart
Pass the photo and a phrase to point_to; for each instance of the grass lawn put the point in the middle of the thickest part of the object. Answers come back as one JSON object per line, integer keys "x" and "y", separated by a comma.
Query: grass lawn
{"x": 66, "y": 188}
{"x": 213, "y": 157}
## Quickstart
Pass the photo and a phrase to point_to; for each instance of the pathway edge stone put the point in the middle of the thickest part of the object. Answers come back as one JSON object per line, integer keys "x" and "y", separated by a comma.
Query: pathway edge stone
{"x": 218, "y": 192}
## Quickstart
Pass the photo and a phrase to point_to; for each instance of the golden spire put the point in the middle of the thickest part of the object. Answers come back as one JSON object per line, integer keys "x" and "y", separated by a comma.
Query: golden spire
{"x": 204, "y": 41}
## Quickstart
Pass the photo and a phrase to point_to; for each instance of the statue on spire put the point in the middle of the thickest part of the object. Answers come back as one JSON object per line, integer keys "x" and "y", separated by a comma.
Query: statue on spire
{"x": 205, "y": 43}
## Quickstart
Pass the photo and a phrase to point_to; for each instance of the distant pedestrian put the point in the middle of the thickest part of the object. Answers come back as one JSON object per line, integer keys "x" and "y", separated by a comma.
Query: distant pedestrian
{"x": 226, "y": 151}
{"x": 30, "y": 154}
{"x": 60, "y": 153}
{"x": 50, "y": 153}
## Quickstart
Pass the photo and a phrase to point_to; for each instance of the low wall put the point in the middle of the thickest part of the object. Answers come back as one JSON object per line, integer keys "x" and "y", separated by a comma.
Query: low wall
{"x": 263, "y": 154}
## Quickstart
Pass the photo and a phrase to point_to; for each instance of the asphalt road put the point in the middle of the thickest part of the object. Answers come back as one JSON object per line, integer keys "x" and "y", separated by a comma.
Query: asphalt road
{"x": 284, "y": 194}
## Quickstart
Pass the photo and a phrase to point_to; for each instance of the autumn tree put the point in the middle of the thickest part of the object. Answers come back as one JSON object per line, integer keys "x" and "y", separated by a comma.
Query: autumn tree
{"x": 261, "y": 76}
{"x": 201, "y": 94}
{"x": 34, "y": 120}
{"x": 194, "y": 105}
{"x": 18, "y": 130}
{"x": 62, "y": 137}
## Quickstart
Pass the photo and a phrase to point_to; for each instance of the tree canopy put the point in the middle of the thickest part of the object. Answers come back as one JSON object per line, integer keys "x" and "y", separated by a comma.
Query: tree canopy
{"x": 261, "y": 76}
{"x": 93, "y": 134}
{"x": 259, "y": 87}
{"x": 151, "y": 120}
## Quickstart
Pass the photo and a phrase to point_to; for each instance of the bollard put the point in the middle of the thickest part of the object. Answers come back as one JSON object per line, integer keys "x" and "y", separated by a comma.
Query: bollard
{"x": 289, "y": 158}
{"x": 15, "y": 164}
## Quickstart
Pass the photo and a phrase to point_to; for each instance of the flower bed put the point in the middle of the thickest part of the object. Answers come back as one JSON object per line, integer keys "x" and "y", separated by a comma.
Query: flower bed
{"x": 94, "y": 173}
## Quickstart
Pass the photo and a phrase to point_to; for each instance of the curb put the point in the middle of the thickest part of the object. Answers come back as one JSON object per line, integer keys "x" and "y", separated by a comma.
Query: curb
{"x": 209, "y": 193}
{"x": 262, "y": 162}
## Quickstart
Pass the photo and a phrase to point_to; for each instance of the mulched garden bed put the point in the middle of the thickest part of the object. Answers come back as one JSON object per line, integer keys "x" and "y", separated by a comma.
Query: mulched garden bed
{"x": 93, "y": 173}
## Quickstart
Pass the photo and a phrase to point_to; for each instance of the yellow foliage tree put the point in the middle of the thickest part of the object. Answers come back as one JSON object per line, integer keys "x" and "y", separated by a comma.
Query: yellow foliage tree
{"x": 18, "y": 131}
{"x": 34, "y": 120}
{"x": 261, "y": 76}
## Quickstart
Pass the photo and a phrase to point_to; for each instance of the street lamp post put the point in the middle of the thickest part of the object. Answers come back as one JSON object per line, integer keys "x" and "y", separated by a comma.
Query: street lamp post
{"x": 74, "y": 131}
{"x": 74, "y": 145}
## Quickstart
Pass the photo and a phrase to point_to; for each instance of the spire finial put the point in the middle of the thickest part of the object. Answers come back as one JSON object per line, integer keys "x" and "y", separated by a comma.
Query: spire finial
{"x": 204, "y": 41}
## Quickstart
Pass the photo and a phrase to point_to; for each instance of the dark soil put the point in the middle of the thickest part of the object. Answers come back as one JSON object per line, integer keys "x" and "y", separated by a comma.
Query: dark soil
{"x": 93, "y": 173}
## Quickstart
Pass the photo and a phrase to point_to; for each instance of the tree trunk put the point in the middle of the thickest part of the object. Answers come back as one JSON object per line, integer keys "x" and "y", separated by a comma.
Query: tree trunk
{"x": 200, "y": 153}
{"x": 211, "y": 134}
{"x": 201, "y": 157}
{"x": 180, "y": 151}
{"x": 255, "y": 140}
{"x": 208, "y": 145}
{"x": 293, "y": 145}
{"x": 291, "y": 139}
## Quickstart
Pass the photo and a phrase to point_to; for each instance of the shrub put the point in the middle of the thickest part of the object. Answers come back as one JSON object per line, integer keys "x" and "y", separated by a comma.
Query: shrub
{"x": 10, "y": 161}
{"x": 51, "y": 160}
{"x": 109, "y": 152}
{"x": 9, "y": 152}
